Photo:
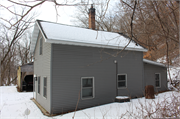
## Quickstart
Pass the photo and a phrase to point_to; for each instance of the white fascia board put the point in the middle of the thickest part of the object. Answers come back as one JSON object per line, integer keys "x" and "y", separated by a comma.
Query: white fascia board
{"x": 41, "y": 32}
{"x": 91, "y": 45}
{"x": 154, "y": 63}
{"x": 37, "y": 28}
{"x": 34, "y": 38}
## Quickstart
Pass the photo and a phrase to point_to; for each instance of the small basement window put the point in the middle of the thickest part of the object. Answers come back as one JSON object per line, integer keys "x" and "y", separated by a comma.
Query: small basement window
{"x": 157, "y": 80}
{"x": 45, "y": 87}
{"x": 87, "y": 86}
{"x": 122, "y": 80}
{"x": 39, "y": 84}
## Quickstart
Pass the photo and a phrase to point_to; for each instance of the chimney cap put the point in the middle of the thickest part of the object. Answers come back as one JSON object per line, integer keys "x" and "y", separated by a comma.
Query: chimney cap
{"x": 91, "y": 5}
{"x": 91, "y": 10}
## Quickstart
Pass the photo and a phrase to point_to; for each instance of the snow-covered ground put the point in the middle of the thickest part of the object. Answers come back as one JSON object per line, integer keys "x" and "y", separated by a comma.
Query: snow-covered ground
{"x": 174, "y": 73}
{"x": 174, "y": 70}
{"x": 13, "y": 105}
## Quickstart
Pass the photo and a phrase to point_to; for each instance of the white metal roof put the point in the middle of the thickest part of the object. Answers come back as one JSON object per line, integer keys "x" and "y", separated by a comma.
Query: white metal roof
{"x": 154, "y": 63}
{"x": 64, "y": 34}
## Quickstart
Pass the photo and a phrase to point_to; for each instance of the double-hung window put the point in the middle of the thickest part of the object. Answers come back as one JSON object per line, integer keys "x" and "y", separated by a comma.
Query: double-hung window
{"x": 87, "y": 86}
{"x": 39, "y": 84}
{"x": 157, "y": 80}
{"x": 40, "y": 46}
{"x": 45, "y": 87}
{"x": 122, "y": 80}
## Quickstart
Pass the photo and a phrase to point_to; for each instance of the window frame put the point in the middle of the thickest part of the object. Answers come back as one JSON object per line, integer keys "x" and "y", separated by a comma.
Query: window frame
{"x": 159, "y": 80}
{"x": 40, "y": 46}
{"x": 125, "y": 81}
{"x": 93, "y": 88}
{"x": 39, "y": 85}
{"x": 45, "y": 96}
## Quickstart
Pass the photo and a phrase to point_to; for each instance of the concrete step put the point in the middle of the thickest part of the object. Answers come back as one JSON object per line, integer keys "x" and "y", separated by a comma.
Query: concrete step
{"x": 122, "y": 99}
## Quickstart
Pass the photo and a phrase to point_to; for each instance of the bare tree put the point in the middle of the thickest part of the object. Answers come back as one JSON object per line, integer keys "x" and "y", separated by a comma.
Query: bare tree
{"x": 9, "y": 37}
{"x": 23, "y": 48}
{"x": 156, "y": 27}
{"x": 21, "y": 17}
{"x": 30, "y": 5}
{"x": 104, "y": 17}
{"x": 8, "y": 68}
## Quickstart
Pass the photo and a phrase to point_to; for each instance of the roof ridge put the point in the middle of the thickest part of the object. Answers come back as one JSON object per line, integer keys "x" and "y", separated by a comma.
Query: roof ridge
{"x": 80, "y": 27}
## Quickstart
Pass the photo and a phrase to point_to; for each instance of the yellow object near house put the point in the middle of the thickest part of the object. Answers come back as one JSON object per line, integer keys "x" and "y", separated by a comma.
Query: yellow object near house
{"x": 25, "y": 77}
{"x": 19, "y": 77}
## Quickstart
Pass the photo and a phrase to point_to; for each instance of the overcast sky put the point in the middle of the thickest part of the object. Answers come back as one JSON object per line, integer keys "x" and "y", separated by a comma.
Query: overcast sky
{"x": 47, "y": 12}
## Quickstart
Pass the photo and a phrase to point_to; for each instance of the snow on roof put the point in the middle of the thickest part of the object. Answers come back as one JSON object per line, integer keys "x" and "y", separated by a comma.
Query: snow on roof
{"x": 64, "y": 34}
{"x": 154, "y": 63}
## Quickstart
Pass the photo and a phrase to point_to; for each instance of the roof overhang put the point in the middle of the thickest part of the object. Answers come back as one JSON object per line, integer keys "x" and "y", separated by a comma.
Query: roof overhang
{"x": 154, "y": 63}
{"x": 92, "y": 45}
{"x": 34, "y": 37}
{"x": 35, "y": 34}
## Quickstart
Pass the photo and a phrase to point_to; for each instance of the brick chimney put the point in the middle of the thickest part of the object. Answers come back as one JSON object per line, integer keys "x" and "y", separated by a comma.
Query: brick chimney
{"x": 92, "y": 18}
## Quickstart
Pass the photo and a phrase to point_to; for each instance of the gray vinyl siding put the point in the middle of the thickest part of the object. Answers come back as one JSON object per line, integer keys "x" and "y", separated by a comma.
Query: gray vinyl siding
{"x": 70, "y": 63}
{"x": 132, "y": 65}
{"x": 42, "y": 69}
{"x": 149, "y": 76}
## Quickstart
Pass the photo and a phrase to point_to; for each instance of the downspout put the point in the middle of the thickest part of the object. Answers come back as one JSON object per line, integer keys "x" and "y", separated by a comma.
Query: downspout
{"x": 143, "y": 78}
{"x": 116, "y": 78}
{"x": 115, "y": 61}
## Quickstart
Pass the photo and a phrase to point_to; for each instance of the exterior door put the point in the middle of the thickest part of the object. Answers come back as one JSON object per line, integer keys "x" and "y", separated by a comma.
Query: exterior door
{"x": 34, "y": 86}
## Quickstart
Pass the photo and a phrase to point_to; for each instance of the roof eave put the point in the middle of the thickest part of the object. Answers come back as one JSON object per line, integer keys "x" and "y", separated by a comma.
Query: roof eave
{"x": 37, "y": 28}
{"x": 92, "y": 45}
{"x": 34, "y": 38}
{"x": 155, "y": 63}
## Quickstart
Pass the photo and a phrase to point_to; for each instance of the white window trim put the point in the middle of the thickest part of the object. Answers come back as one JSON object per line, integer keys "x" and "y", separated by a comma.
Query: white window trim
{"x": 126, "y": 81}
{"x": 93, "y": 89}
{"x": 39, "y": 85}
{"x": 46, "y": 87}
{"x": 159, "y": 80}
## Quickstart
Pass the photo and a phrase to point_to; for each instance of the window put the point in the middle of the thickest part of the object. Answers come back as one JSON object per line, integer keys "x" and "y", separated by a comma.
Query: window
{"x": 87, "y": 86}
{"x": 39, "y": 84}
{"x": 122, "y": 80}
{"x": 40, "y": 46}
{"x": 45, "y": 87}
{"x": 157, "y": 80}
